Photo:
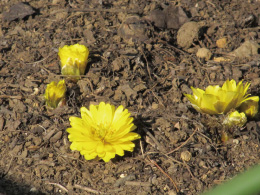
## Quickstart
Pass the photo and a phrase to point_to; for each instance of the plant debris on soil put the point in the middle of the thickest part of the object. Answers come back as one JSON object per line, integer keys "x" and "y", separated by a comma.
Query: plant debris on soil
{"x": 144, "y": 55}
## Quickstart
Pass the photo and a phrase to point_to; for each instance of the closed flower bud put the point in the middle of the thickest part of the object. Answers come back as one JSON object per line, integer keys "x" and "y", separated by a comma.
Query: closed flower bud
{"x": 235, "y": 119}
{"x": 55, "y": 94}
{"x": 73, "y": 59}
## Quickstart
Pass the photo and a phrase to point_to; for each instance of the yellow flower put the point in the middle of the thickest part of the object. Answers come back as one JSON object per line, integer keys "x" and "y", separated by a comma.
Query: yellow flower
{"x": 73, "y": 59}
{"x": 55, "y": 93}
{"x": 102, "y": 132}
{"x": 219, "y": 100}
{"x": 235, "y": 119}
{"x": 250, "y": 106}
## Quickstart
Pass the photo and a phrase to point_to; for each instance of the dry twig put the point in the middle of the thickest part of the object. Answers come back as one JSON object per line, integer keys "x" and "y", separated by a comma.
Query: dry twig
{"x": 138, "y": 183}
{"x": 60, "y": 186}
{"x": 153, "y": 162}
{"x": 87, "y": 189}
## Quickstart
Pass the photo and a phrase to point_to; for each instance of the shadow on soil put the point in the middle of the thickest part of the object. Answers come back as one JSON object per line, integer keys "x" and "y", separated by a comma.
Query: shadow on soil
{"x": 9, "y": 187}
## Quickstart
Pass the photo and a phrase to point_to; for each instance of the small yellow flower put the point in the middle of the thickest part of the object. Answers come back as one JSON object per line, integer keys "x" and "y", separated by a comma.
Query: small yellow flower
{"x": 55, "y": 94}
{"x": 102, "y": 132}
{"x": 219, "y": 100}
{"x": 235, "y": 119}
{"x": 73, "y": 59}
{"x": 250, "y": 106}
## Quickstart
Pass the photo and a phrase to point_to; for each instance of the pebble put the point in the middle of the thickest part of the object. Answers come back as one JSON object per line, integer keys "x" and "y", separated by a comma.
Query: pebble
{"x": 204, "y": 53}
{"x": 247, "y": 49}
{"x": 186, "y": 156}
{"x": 221, "y": 43}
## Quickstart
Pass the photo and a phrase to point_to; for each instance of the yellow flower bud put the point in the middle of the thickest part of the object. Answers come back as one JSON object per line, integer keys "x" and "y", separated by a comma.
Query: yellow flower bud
{"x": 250, "y": 106}
{"x": 73, "y": 59}
{"x": 55, "y": 94}
{"x": 235, "y": 119}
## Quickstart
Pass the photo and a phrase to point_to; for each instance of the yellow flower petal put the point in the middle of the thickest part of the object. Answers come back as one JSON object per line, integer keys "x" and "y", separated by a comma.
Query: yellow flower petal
{"x": 250, "y": 106}
{"x": 102, "y": 132}
{"x": 108, "y": 156}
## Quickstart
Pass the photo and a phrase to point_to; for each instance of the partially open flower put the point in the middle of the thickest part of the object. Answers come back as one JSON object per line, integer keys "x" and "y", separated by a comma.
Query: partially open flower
{"x": 219, "y": 100}
{"x": 73, "y": 59}
{"x": 102, "y": 132}
{"x": 250, "y": 106}
{"x": 235, "y": 119}
{"x": 55, "y": 94}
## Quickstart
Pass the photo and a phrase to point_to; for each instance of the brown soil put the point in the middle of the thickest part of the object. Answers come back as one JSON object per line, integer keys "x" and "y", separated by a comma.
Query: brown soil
{"x": 139, "y": 60}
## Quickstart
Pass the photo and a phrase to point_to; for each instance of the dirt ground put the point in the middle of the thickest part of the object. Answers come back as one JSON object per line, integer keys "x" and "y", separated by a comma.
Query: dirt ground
{"x": 143, "y": 55}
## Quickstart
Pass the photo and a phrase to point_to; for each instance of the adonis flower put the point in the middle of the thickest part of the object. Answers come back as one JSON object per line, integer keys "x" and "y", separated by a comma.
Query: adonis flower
{"x": 102, "y": 132}
{"x": 55, "y": 94}
{"x": 73, "y": 59}
{"x": 220, "y": 100}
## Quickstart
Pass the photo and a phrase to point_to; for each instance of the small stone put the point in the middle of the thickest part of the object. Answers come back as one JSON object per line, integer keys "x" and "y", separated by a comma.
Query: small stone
{"x": 202, "y": 164}
{"x": 221, "y": 43}
{"x": 204, "y": 53}
{"x": 154, "y": 106}
{"x": 247, "y": 49}
{"x": 235, "y": 141}
{"x": 186, "y": 156}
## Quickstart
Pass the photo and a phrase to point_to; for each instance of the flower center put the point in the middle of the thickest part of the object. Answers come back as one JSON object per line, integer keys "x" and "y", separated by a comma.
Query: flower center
{"x": 103, "y": 131}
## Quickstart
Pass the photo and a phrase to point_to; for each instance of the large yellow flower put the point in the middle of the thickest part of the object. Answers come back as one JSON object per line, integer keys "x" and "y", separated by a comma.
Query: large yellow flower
{"x": 219, "y": 100}
{"x": 55, "y": 93}
{"x": 102, "y": 132}
{"x": 73, "y": 59}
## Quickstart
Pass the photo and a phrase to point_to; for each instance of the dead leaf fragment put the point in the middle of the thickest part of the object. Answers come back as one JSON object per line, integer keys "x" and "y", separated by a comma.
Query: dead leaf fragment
{"x": 133, "y": 28}
{"x": 172, "y": 17}
{"x": 18, "y": 11}
{"x": 129, "y": 92}
{"x": 221, "y": 59}
{"x": 187, "y": 34}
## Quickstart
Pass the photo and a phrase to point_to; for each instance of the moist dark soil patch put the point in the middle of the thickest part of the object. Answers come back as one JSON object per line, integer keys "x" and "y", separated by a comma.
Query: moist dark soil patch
{"x": 135, "y": 61}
